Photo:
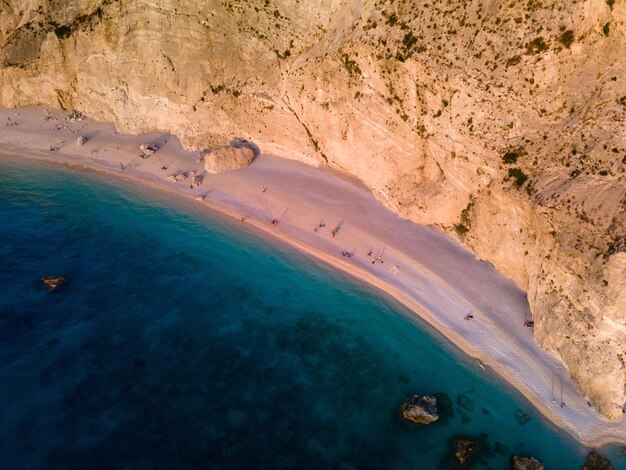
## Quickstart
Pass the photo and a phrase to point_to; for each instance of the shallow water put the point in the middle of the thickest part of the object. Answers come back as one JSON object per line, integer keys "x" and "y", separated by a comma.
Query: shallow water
{"x": 182, "y": 342}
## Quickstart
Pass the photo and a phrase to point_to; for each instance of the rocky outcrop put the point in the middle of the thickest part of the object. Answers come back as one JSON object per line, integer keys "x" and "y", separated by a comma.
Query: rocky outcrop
{"x": 227, "y": 158}
{"x": 526, "y": 463}
{"x": 595, "y": 461}
{"x": 464, "y": 450}
{"x": 420, "y": 409}
{"x": 147, "y": 150}
{"x": 469, "y": 116}
{"x": 193, "y": 178}
{"x": 52, "y": 283}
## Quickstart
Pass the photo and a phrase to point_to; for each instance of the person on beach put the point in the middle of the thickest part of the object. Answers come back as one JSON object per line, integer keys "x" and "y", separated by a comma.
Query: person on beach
{"x": 264, "y": 188}
{"x": 274, "y": 222}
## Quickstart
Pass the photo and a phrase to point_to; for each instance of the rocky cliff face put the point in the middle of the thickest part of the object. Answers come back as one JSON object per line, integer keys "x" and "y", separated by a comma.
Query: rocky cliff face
{"x": 500, "y": 122}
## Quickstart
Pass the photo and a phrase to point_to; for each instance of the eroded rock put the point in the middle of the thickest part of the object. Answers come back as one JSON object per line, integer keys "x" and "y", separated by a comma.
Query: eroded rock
{"x": 420, "y": 409}
{"x": 227, "y": 158}
{"x": 192, "y": 177}
{"x": 464, "y": 450}
{"x": 74, "y": 116}
{"x": 147, "y": 150}
{"x": 526, "y": 463}
{"x": 595, "y": 461}
{"x": 53, "y": 282}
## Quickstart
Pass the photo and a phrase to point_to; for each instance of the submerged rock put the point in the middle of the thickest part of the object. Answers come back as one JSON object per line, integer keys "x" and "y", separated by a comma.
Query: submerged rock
{"x": 526, "y": 463}
{"x": 420, "y": 409}
{"x": 53, "y": 282}
{"x": 521, "y": 417}
{"x": 465, "y": 402}
{"x": 595, "y": 461}
{"x": 80, "y": 141}
{"x": 227, "y": 158}
{"x": 464, "y": 450}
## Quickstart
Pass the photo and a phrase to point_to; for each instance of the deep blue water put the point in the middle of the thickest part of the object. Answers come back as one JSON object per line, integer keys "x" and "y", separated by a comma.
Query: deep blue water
{"x": 181, "y": 341}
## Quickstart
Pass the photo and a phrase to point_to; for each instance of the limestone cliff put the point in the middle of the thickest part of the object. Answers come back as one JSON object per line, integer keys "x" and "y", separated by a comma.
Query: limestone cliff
{"x": 500, "y": 122}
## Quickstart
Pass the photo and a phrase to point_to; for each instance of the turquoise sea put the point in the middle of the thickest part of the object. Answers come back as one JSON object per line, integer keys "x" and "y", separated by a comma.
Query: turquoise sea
{"x": 182, "y": 341}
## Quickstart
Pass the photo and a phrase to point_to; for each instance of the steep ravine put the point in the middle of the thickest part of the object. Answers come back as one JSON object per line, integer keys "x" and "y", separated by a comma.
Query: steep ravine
{"x": 503, "y": 123}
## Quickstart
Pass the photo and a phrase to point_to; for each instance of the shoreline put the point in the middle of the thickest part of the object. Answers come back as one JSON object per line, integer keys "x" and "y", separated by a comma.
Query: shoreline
{"x": 425, "y": 270}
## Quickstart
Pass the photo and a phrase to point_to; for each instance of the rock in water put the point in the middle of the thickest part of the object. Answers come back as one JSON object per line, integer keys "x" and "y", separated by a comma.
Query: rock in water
{"x": 596, "y": 462}
{"x": 526, "y": 463}
{"x": 420, "y": 409}
{"x": 227, "y": 158}
{"x": 521, "y": 417}
{"x": 464, "y": 450}
{"x": 53, "y": 282}
{"x": 80, "y": 141}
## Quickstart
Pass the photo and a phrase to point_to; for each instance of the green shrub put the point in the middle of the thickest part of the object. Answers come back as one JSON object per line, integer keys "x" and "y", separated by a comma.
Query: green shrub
{"x": 567, "y": 38}
{"x": 513, "y": 60}
{"x": 392, "y": 19}
{"x": 409, "y": 40}
{"x": 351, "y": 65}
{"x": 518, "y": 175}
{"x": 461, "y": 229}
{"x": 536, "y": 46}
{"x": 606, "y": 28}
{"x": 510, "y": 157}
{"x": 63, "y": 31}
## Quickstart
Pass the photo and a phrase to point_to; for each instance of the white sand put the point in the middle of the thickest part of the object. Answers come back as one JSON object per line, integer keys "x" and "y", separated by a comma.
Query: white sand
{"x": 423, "y": 268}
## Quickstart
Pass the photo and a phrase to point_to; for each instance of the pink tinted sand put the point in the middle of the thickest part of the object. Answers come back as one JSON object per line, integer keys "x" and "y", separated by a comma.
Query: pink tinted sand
{"x": 423, "y": 268}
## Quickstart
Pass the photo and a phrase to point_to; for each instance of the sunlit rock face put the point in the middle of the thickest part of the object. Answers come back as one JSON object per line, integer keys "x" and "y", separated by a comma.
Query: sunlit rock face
{"x": 502, "y": 123}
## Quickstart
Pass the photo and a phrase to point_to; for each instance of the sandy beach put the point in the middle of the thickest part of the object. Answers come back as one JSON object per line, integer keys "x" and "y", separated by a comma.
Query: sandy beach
{"x": 335, "y": 219}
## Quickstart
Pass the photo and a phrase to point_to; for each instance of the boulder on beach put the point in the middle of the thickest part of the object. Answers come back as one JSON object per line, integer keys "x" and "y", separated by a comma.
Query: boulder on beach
{"x": 193, "y": 178}
{"x": 595, "y": 461}
{"x": 74, "y": 116}
{"x": 420, "y": 409}
{"x": 147, "y": 150}
{"x": 53, "y": 282}
{"x": 521, "y": 417}
{"x": 526, "y": 463}
{"x": 227, "y": 158}
{"x": 464, "y": 450}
